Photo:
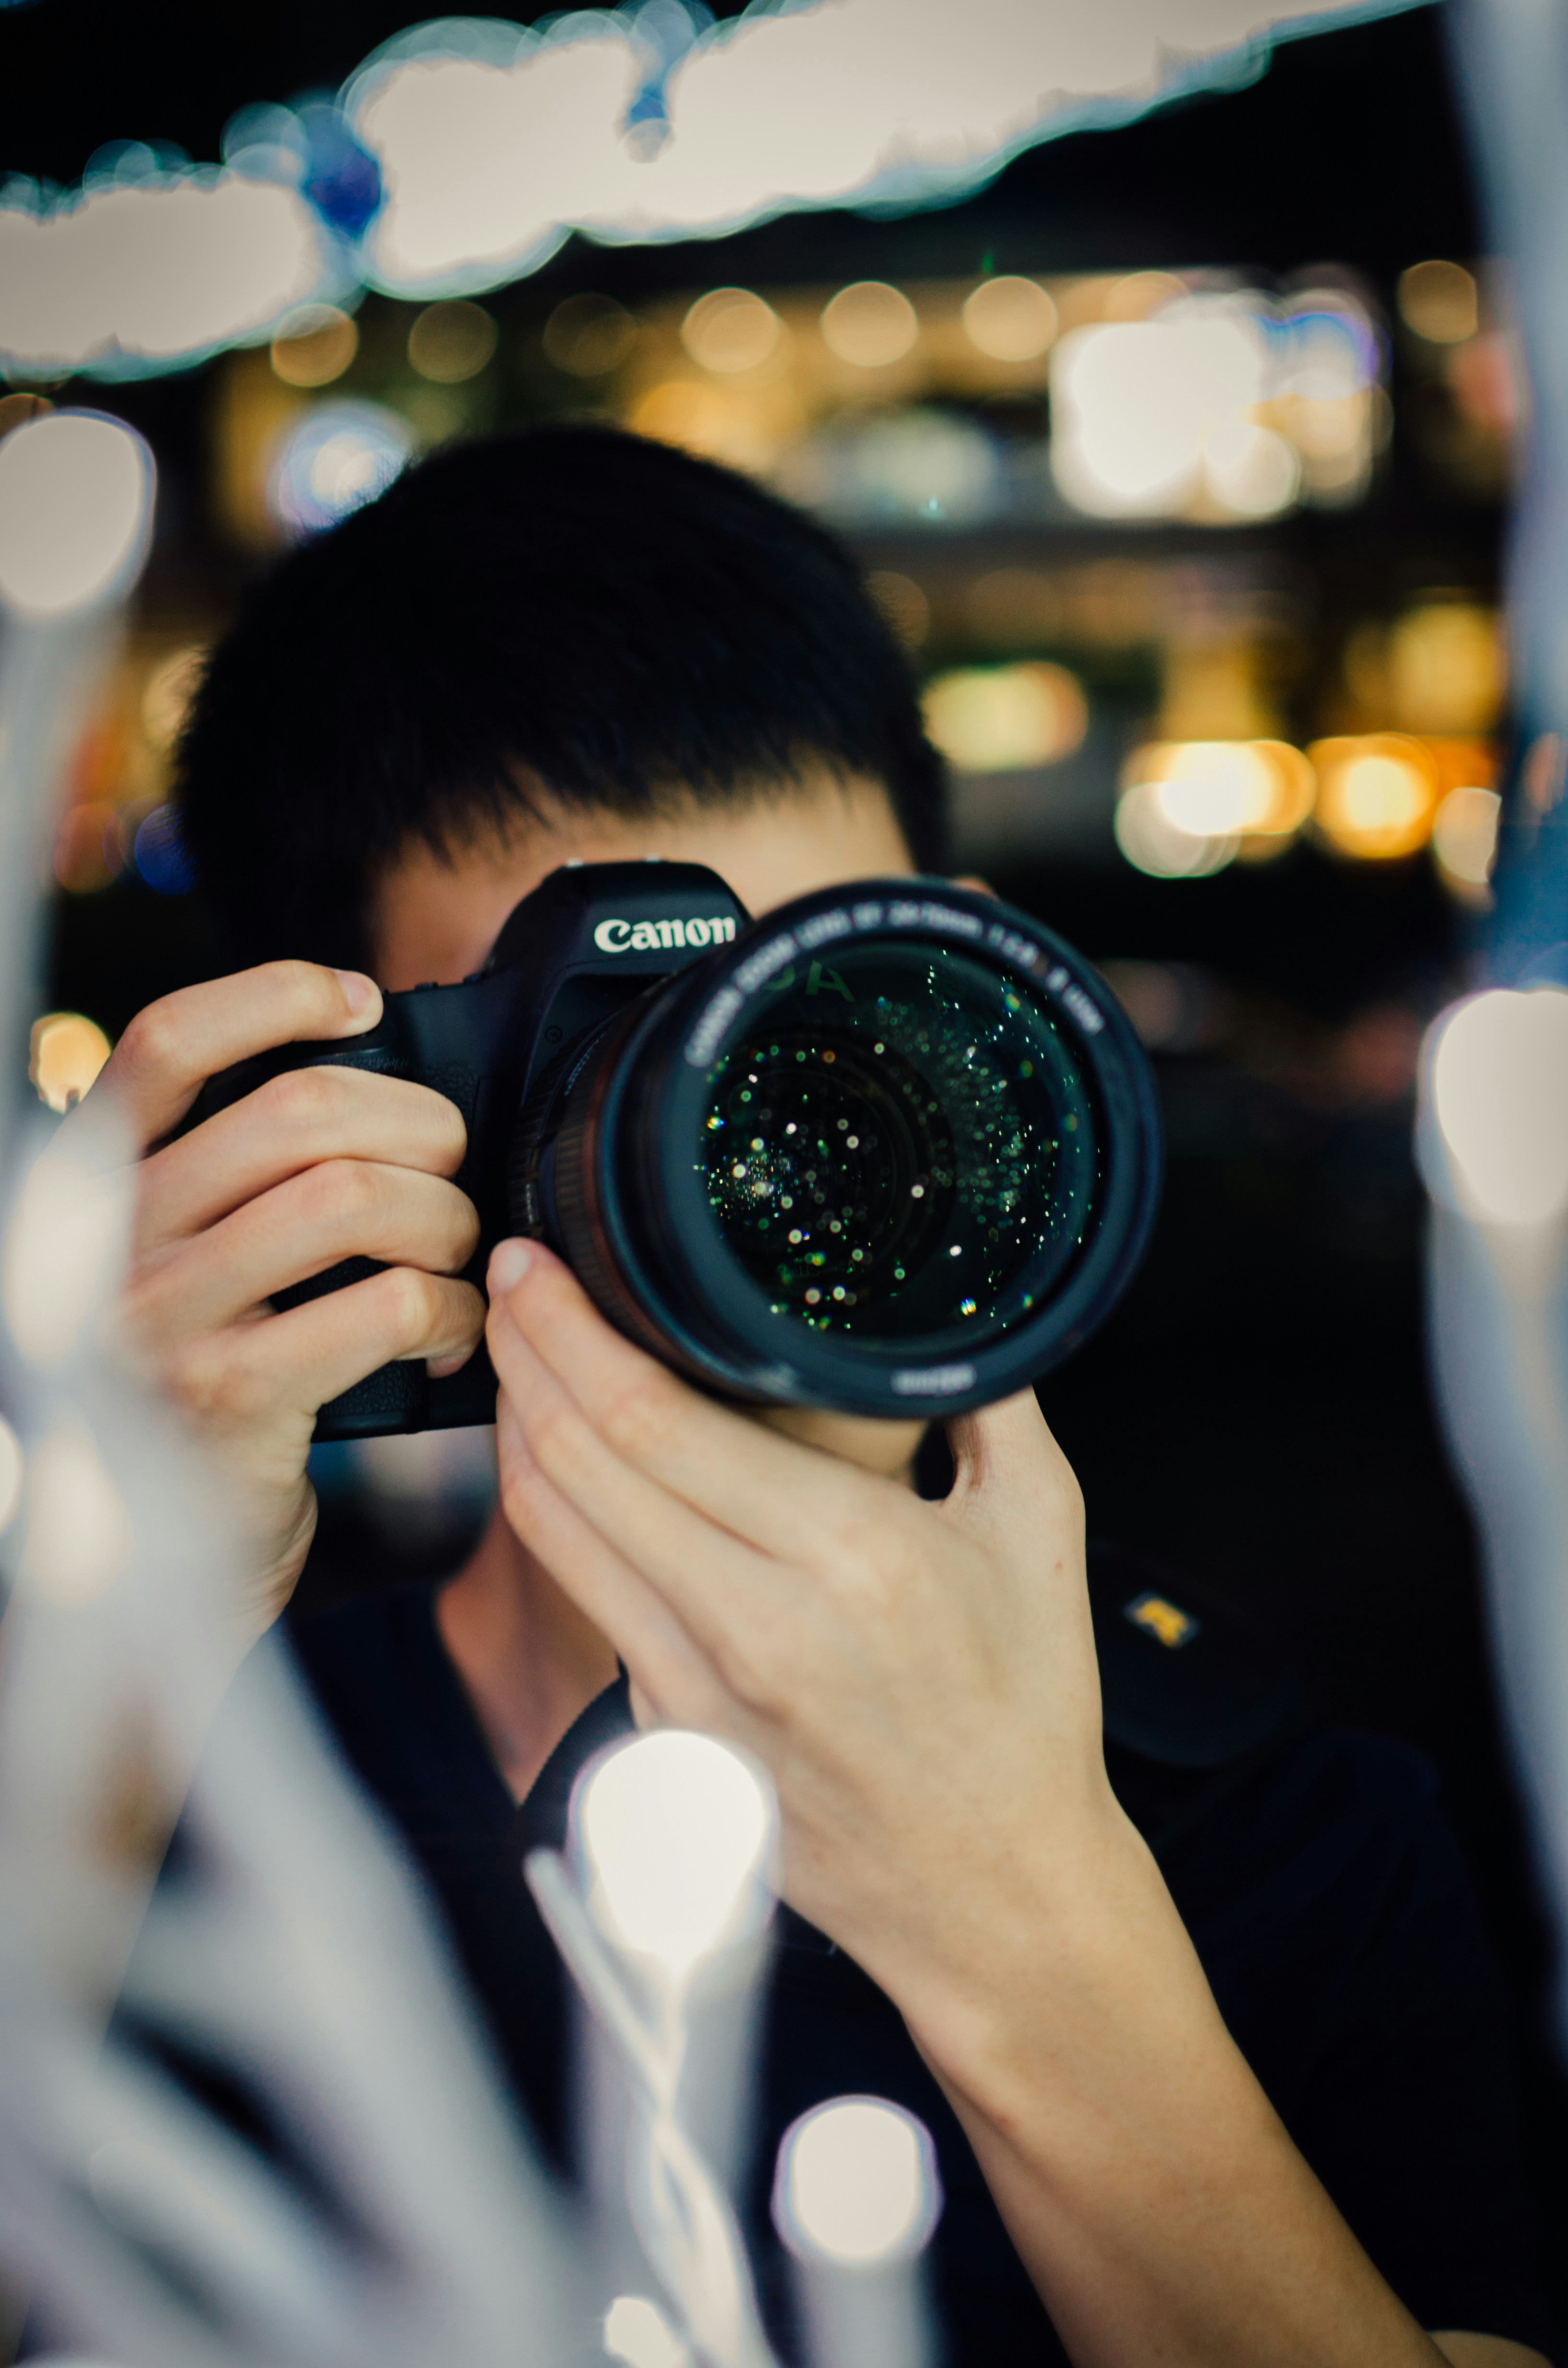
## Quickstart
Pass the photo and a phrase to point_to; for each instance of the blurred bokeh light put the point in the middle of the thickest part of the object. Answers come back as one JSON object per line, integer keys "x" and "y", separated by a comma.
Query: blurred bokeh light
{"x": 159, "y": 856}
{"x": 870, "y": 325}
{"x": 452, "y": 342}
{"x": 1153, "y": 843}
{"x": 65, "y": 1052}
{"x": 331, "y": 460}
{"x": 1187, "y": 808}
{"x": 75, "y": 511}
{"x": 150, "y": 266}
{"x": 1376, "y": 795}
{"x": 676, "y": 1829}
{"x": 857, "y": 2184}
{"x": 1500, "y": 1093}
{"x": 1440, "y": 302}
{"x": 1446, "y": 669}
{"x": 637, "y": 2333}
{"x": 731, "y": 330}
{"x": 1137, "y": 404}
{"x": 315, "y": 346}
{"x": 1216, "y": 405}
{"x": 1464, "y": 841}
{"x": 1011, "y": 319}
{"x": 589, "y": 336}
{"x": 86, "y": 847}
{"x": 997, "y": 719}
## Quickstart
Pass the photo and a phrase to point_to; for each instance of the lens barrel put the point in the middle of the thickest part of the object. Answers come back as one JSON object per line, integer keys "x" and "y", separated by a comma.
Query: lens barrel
{"x": 894, "y": 1150}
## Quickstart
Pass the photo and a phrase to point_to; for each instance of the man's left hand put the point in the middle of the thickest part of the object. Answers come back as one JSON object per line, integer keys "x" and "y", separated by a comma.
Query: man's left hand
{"x": 919, "y": 1680}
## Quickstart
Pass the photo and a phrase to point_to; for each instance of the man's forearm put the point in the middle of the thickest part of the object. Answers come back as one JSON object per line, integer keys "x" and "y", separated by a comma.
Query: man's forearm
{"x": 1151, "y": 2190}
{"x": 920, "y": 1683}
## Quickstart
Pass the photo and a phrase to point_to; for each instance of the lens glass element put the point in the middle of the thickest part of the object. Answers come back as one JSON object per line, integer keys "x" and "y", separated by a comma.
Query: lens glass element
{"x": 900, "y": 1144}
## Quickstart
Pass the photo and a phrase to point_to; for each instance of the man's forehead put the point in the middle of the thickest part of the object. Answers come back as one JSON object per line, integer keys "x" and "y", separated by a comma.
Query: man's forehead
{"x": 432, "y": 908}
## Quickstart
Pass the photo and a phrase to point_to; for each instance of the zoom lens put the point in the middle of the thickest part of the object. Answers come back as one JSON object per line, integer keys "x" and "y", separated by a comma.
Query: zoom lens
{"x": 894, "y": 1151}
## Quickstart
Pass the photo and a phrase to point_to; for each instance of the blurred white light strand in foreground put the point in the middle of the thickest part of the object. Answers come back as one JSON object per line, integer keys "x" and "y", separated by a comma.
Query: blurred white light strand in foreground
{"x": 663, "y": 1903}
{"x": 65, "y": 1242}
{"x": 855, "y": 2199}
{"x": 13, "y": 1471}
{"x": 1499, "y": 1093}
{"x": 677, "y": 1832}
{"x": 292, "y": 1957}
{"x": 1464, "y": 838}
{"x": 494, "y": 141}
{"x": 637, "y": 2332}
{"x": 78, "y": 1535}
{"x": 857, "y": 2182}
{"x": 75, "y": 512}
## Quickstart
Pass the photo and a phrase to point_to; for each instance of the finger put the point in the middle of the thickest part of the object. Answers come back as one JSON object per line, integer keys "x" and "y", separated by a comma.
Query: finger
{"x": 170, "y": 1050}
{"x": 739, "y": 1473}
{"x": 294, "y": 1122}
{"x": 244, "y": 1376}
{"x": 991, "y": 1441}
{"x": 1007, "y": 1467}
{"x": 717, "y": 1585}
{"x": 346, "y": 1208}
{"x": 667, "y": 1668}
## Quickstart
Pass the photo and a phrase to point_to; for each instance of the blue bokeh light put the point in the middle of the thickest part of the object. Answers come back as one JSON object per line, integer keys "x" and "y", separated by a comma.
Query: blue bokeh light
{"x": 160, "y": 857}
{"x": 334, "y": 459}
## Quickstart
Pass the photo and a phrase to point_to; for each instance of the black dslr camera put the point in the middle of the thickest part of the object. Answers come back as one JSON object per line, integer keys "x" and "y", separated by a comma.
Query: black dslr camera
{"x": 892, "y": 1149}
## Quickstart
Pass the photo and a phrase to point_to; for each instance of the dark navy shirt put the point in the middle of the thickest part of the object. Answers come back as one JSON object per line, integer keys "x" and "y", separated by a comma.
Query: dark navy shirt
{"x": 1322, "y": 1890}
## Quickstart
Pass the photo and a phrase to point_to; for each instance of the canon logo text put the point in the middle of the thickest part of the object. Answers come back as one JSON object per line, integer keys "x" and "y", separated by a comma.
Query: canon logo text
{"x": 648, "y": 937}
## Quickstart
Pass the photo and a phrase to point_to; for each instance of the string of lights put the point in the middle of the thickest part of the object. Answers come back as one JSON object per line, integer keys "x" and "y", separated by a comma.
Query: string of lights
{"x": 461, "y": 154}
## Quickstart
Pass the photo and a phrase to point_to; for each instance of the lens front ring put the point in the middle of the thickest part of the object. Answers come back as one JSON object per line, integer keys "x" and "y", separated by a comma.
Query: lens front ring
{"x": 664, "y": 1269}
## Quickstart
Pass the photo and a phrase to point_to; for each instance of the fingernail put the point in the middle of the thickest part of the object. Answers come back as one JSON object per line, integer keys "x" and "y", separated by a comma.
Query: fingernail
{"x": 362, "y": 995}
{"x": 510, "y": 1262}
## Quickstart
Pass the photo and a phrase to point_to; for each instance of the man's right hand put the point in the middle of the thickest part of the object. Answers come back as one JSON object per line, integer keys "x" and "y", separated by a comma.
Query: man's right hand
{"x": 315, "y": 1166}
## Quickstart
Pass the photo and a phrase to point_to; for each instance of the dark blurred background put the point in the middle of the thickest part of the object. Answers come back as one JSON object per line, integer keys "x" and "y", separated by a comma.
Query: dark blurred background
{"x": 1259, "y": 1412}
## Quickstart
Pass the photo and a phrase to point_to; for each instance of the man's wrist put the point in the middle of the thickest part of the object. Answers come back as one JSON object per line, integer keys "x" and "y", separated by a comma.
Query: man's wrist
{"x": 1080, "y": 1948}
{"x": 276, "y": 1572}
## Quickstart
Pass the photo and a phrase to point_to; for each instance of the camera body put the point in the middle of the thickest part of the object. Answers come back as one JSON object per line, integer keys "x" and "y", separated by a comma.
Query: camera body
{"x": 586, "y": 943}
{"x": 890, "y": 1149}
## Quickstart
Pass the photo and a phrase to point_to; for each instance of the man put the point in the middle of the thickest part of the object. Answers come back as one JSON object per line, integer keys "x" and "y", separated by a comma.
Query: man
{"x": 575, "y": 646}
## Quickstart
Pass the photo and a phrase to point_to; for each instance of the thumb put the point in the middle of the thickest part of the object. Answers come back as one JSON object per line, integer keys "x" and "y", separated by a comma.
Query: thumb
{"x": 1008, "y": 1466}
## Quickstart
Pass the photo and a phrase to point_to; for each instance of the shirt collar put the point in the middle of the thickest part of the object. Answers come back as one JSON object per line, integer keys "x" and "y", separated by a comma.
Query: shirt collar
{"x": 541, "y": 1818}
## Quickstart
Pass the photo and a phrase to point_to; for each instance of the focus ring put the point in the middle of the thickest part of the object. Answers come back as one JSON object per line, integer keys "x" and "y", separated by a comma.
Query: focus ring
{"x": 572, "y": 1205}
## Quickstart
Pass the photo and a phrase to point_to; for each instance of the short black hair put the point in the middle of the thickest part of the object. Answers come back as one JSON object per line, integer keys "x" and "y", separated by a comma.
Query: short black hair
{"x": 573, "y": 608}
